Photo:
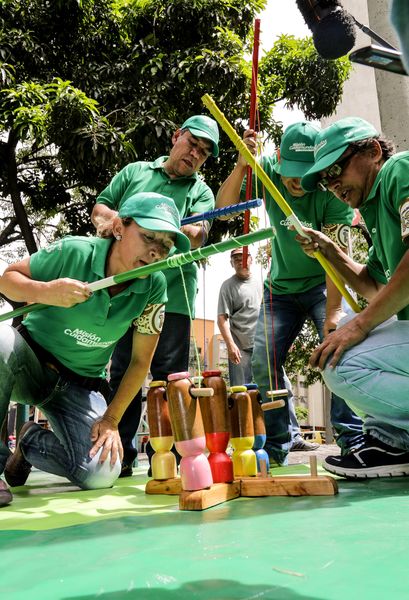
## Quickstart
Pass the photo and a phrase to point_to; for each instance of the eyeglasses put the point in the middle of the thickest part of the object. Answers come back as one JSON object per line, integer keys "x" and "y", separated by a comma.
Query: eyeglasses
{"x": 335, "y": 170}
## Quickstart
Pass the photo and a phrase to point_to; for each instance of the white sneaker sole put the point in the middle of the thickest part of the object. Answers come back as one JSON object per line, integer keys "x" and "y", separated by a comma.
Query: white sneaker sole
{"x": 370, "y": 472}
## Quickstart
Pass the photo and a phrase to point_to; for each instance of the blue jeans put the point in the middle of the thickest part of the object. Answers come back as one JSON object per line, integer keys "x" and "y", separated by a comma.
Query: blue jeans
{"x": 241, "y": 373}
{"x": 70, "y": 409}
{"x": 171, "y": 356}
{"x": 290, "y": 313}
{"x": 373, "y": 377}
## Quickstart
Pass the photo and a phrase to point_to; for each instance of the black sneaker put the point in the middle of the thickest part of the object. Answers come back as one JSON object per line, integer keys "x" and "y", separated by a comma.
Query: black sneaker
{"x": 126, "y": 470}
{"x": 373, "y": 459}
{"x": 17, "y": 467}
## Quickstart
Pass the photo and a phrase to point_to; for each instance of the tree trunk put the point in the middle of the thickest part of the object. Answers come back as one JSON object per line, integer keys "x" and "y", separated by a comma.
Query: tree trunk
{"x": 19, "y": 209}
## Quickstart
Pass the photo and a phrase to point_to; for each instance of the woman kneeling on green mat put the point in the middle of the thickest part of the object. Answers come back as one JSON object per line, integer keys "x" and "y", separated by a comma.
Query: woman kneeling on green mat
{"x": 56, "y": 359}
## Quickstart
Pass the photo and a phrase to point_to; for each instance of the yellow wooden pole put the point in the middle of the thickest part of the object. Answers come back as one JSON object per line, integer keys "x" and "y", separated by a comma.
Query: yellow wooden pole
{"x": 277, "y": 196}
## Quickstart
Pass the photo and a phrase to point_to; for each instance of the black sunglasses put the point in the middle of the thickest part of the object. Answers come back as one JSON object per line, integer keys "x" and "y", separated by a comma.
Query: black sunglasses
{"x": 335, "y": 170}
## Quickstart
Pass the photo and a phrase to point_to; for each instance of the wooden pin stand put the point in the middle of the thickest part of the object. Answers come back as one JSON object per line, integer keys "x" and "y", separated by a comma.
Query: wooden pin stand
{"x": 290, "y": 485}
{"x": 255, "y": 487}
{"x": 167, "y": 487}
{"x": 216, "y": 494}
{"x": 259, "y": 486}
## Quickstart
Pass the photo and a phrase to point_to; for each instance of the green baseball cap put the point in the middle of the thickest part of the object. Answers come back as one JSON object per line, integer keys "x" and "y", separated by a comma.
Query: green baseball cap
{"x": 332, "y": 142}
{"x": 296, "y": 150}
{"x": 157, "y": 213}
{"x": 202, "y": 126}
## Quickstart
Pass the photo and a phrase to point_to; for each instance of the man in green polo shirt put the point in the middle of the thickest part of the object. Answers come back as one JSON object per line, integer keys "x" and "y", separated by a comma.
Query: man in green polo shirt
{"x": 175, "y": 176}
{"x": 56, "y": 359}
{"x": 366, "y": 359}
{"x": 296, "y": 287}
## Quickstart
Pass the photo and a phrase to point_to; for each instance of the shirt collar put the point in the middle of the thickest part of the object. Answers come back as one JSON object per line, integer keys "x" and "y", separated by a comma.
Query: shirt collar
{"x": 375, "y": 185}
{"x": 99, "y": 255}
{"x": 158, "y": 165}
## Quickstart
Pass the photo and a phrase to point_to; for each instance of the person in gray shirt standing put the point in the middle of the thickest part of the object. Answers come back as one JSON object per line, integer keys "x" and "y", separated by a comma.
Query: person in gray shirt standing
{"x": 237, "y": 313}
{"x": 238, "y": 308}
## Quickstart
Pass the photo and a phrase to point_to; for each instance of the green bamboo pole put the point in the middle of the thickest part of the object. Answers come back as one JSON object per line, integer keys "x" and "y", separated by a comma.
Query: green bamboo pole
{"x": 276, "y": 195}
{"x": 171, "y": 262}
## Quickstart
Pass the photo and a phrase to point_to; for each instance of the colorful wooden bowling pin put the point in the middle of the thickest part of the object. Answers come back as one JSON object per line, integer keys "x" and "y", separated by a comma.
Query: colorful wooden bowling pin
{"x": 242, "y": 432}
{"x": 160, "y": 431}
{"x": 216, "y": 426}
{"x": 263, "y": 463}
{"x": 187, "y": 427}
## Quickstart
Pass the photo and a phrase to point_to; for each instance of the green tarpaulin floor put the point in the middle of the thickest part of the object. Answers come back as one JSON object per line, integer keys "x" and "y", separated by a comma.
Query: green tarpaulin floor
{"x": 61, "y": 543}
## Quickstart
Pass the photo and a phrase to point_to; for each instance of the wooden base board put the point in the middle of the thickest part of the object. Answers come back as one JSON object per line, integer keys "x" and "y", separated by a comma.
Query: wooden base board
{"x": 202, "y": 499}
{"x": 290, "y": 485}
{"x": 168, "y": 487}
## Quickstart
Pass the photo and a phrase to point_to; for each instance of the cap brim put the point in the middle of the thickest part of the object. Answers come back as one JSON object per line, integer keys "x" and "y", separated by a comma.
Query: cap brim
{"x": 182, "y": 242}
{"x": 291, "y": 168}
{"x": 202, "y": 134}
{"x": 312, "y": 177}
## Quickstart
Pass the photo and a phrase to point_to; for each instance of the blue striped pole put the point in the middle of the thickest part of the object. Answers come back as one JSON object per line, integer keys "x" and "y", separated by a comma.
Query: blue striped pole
{"x": 221, "y": 212}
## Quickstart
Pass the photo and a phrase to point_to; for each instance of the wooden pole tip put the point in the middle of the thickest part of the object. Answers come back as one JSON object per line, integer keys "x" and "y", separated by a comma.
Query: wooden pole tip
{"x": 273, "y": 404}
{"x": 277, "y": 393}
{"x": 202, "y": 392}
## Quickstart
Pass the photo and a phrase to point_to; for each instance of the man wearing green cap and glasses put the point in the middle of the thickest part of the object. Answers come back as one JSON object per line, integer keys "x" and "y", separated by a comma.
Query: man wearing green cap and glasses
{"x": 56, "y": 359}
{"x": 296, "y": 288}
{"x": 366, "y": 360}
{"x": 175, "y": 176}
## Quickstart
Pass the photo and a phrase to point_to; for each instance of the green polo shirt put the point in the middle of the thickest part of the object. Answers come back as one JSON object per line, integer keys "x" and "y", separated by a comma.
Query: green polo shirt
{"x": 292, "y": 271}
{"x": 83, "y": 337}
{"x": 190, "y": 194}
{"x": 386, "y": 216}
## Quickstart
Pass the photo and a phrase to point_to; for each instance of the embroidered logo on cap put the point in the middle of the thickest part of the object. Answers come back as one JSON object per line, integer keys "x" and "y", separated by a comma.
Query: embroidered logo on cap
{"x": 301, "y": 147}
{"x": 319, "y": 146}
{"x": 169, "y": 209}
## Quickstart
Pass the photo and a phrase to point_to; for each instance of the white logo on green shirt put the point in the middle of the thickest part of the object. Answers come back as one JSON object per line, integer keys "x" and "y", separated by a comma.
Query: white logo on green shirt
{"x": 86, "y": 338}
{"x": 287, "y": 222}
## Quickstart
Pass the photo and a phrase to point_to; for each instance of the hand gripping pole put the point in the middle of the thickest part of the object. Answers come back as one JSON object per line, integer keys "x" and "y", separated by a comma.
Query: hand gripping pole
{"x": 282, "y": 203}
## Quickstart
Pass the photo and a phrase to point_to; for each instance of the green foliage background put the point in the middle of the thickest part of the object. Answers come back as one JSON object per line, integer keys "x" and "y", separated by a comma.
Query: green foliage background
{"x": 87, "y": 86}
